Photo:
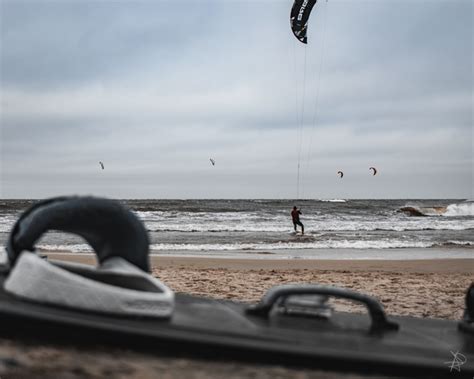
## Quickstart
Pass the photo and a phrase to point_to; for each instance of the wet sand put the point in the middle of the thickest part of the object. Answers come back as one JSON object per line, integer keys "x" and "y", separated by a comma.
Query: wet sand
{"x": 167, "y": 262}
{"x": 422, "y": 288}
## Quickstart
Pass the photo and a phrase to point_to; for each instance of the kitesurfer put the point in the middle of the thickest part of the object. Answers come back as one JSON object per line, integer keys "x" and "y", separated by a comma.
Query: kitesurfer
{"x": 295, "y": 215}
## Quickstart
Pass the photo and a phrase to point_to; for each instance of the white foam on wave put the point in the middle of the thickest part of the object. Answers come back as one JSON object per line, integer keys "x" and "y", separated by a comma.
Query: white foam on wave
{"x": 203, "y": 216}
{"x": 345, "y": 244}
{"x": 461, "y": 209}
{"x": 76, "y": 248}
{"x": 256, "y": 247}
{"x": 459, "y": 243}
{"x": 6, "y": 223}
{"x": 215, "y": 227}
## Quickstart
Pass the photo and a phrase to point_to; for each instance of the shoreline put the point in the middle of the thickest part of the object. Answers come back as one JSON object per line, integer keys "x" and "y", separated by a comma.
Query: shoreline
{"x": 445, "y": 265}
{"x": 339, "y": 254}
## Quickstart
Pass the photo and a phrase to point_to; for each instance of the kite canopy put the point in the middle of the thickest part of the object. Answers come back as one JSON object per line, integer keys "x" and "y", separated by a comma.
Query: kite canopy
{"x": 373, "y": 169}
{"x": 212, "y": 161}
{"x": 101, "y": 165}
{"x": 299, "y": 18}
{"x": 341, "y": 174}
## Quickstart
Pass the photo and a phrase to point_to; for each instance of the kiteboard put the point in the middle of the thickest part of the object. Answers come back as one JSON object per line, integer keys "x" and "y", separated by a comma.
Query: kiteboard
{"x": 270, "y": 332}
{"x": 300, "y": 235}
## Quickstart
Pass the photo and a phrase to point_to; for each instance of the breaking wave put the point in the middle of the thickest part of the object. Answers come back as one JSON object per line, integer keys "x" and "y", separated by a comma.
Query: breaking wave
{"x": 461, "y": 209}
{"x": 280, "y": 245}
{"x": 452, "y": 210}
{"x": 354, "y": 244}
{"x": 76, "y": 248}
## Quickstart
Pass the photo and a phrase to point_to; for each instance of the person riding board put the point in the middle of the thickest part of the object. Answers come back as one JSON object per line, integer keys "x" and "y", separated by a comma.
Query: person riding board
{"x": 295, "y": 215}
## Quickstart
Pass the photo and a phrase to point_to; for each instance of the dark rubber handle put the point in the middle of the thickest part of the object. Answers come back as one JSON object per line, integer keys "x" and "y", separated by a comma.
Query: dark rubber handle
{"x": 469, "y": 314}
{"x": 377, "y": 314}
{"x": 467, "y": 323}
{"x": 109, "y": 228}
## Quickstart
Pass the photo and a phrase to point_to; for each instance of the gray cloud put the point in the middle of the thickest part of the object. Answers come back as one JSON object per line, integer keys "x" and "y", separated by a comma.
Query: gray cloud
{"x": 154, "y": 91}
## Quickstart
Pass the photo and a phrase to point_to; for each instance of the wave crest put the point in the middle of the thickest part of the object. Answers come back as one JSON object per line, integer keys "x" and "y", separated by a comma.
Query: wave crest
{"x": 452, "y": 210}
{"x": 461, "y": 209}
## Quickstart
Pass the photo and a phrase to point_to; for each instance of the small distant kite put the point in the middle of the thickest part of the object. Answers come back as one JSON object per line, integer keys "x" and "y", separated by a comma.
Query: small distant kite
{"x": 341, "y": 174}
{"x": 374, "y": 169}
{"x": 212, "y": 161}
{"x": 101, "y": 165}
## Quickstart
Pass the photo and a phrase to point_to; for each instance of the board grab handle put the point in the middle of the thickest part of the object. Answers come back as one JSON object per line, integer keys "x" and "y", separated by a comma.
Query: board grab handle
{"x": 377, "y": 314}
{"x": 111, "y": 229}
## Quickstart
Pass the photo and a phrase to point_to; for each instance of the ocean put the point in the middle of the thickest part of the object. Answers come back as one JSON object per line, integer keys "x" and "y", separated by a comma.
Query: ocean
{"x": 334, "y": 229}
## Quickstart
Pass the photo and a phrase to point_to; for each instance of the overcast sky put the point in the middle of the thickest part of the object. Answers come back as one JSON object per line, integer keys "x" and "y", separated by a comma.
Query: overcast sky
{"x": 155, "y": 88}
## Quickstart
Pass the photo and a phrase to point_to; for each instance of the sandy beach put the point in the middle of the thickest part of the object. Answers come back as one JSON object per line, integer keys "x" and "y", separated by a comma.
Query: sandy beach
{"x": 421, "y": 288}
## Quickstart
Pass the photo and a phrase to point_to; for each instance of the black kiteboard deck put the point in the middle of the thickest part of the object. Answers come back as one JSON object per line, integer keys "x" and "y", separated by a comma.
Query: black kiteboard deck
{"x": 216, "y": 328}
